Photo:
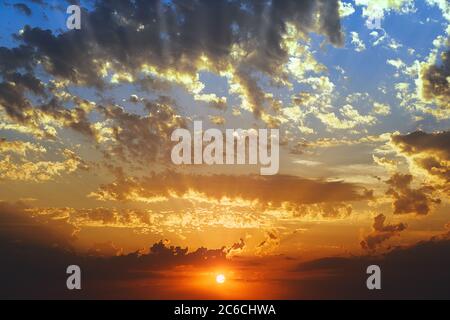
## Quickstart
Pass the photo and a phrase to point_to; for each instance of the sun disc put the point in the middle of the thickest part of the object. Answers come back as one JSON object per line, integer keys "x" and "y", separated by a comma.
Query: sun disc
{"x": 220, "y": 278}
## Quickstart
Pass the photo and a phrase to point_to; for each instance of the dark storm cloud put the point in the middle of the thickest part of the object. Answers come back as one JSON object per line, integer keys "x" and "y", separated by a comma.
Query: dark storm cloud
{"x": 381, "y": 232}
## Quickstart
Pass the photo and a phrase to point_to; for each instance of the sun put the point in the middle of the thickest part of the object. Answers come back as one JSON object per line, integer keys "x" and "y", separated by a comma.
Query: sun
{"x": 220, "y": 279}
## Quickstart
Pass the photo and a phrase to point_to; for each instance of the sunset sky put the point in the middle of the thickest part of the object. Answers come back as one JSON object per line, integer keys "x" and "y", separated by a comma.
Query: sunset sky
{"x": 86, "y": 177}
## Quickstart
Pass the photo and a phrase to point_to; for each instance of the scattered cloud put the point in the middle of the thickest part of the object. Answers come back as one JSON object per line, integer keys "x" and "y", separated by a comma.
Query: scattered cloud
{"x": 357, "y": 42}
{"x": 408, "y": 199}
{"x": 381, "y": 232}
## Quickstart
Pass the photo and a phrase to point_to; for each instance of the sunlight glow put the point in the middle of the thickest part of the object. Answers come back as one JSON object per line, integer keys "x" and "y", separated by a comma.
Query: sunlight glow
{"x": 220, "y": 278}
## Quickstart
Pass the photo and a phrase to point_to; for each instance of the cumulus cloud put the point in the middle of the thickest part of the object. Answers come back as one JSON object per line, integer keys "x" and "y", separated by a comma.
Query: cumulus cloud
{"x": 434, "y": 82}
{"x": 346, "y": 9}
{"x": 357, "y": 42}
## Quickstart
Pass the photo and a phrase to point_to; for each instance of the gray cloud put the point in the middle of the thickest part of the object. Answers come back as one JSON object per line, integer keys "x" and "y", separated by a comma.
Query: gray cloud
{"x": 175, "y": 35}
{"x": 408, "y": 199}
{"x": 273, "y": 190}
{"x": 381, "y": 232}
{"x": 415, "y": 272}
{"x": 435, "y": 83}
{"x": 430, "y": 151}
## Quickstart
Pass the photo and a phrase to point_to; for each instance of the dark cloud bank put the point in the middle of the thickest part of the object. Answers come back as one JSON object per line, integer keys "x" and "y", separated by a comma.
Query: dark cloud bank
{"x": 36, "y": 269}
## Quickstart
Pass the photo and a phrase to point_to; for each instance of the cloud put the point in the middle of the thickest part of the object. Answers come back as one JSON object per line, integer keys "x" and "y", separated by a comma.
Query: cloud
{"x": 36, "y": 272}
{"x": 408, "y": 199}
{"x": 141, "y": 138}
{"x": 381, "y": 109}
{"x": 378, "y": 8}
{"x": 20, "y": 147}
{"x": 22, "y": 7}
{"x": 443, "y": 5}
{"x": 426, "y": 262}
{"x": 218, "y": 120}
{"x": 345, "y": 9}
{"x": 336, "y": 142}
{"x": 434, "y": 84}
{"x": 138, "y": 220}
{"x": 221, "y": 37}
{"x": 429, "y": 152}
{"x": 38, "y": 171}
{"x": 351, "y": 118}
{"x": 104, "y": 249}
{"x": 359, "y": 44}
{"x": 19, "y": 225}
{"x": 41, "y": 119}
{"x": 11, "y": 92}
{"x": 36, "y": 264}
{"x": 273, "y": 190}
{"x": 235, "y": 248}
{"x": 269, "y": 244}
{"x": 396, "y": 63}
{"x": 39, "y": 244}
{"x": 337, "y": 210}
{"x": 381, "y": 232}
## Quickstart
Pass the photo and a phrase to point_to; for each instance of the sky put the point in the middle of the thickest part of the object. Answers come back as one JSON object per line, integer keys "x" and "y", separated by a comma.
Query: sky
{"x": 359, "y": 91}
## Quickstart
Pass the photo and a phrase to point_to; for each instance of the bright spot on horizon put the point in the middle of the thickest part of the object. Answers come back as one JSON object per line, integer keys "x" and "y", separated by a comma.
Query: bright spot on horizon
{"x": 220, "y": 278}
